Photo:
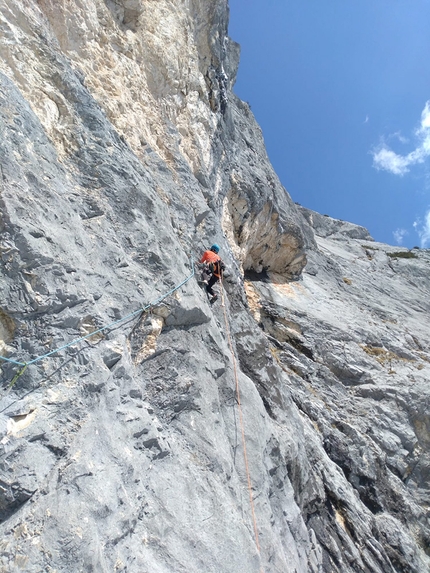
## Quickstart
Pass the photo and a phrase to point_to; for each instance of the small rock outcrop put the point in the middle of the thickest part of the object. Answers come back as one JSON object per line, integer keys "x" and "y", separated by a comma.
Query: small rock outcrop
{"x": 124, "y": 154}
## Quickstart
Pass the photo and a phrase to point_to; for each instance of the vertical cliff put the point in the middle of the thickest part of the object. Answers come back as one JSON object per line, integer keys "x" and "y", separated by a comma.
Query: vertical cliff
{"x": 124, "y": 153}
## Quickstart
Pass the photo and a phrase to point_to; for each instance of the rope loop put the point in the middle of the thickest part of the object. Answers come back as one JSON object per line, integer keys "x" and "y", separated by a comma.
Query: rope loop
{"x": 103, "y": 328}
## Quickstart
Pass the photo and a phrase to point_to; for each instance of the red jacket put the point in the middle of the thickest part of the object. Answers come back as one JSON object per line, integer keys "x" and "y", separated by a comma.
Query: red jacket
{"x": 211, "y": 257}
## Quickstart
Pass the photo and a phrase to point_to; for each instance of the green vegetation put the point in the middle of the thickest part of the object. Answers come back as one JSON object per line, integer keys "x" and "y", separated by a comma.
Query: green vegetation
{"x": 382, "y": 355}
{"x": 402, "y": 255}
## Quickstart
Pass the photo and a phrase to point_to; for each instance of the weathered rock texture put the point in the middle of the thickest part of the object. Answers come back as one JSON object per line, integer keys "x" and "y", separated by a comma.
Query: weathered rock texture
{"x": 124, "y": 152}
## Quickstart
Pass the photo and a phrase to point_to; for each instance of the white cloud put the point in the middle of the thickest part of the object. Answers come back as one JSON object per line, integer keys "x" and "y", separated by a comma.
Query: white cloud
{"x": 388, "y": 160}
{"x": 423, "y": 230}
{"x": 399, "y": 235}
{"x": 400, "y": 137}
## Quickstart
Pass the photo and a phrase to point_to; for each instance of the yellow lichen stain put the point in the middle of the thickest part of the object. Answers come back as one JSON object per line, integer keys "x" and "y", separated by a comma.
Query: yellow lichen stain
{"x": 7, "y": 326}
{"x": 317, "y": 428}
{"x": 340, "y": 519}
{"x": 150, "y": 344}
{"x": 21, "y": 561}
{"x": 254, "y": 299}
{"x": 7, "y": 331}
{"x": 119, "y": 565}
{"x": 422, "y": 430}
{"x": 16, "y": 424}
{"x": 86, "y": 326}
{"x": 52, "y": 397}
{"x": 384, "y": 356}
{"x": 289, "y": 289}
{"x": 20, "y": 530}
{"x": 163, "y": 195}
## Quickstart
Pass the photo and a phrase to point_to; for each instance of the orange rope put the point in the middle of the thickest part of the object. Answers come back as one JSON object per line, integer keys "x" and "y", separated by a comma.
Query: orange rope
{"x": 239, "y": 407}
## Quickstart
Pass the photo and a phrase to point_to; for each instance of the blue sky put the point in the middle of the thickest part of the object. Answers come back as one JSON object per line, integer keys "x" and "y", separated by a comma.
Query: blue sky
{"x": 340, "y": 89}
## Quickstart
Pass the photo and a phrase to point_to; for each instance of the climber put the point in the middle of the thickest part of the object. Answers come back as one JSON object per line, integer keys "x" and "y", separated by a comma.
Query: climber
{"x": 212, "y": 270}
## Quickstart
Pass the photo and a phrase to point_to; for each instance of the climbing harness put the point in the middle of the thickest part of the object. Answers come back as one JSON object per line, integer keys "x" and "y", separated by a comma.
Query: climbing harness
{"x": 242, "y": 427}
{"x": 24, "y": 365}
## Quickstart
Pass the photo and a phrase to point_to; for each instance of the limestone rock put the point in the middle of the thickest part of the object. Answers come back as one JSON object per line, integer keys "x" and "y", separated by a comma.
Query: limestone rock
{"x": 124, "y": 154}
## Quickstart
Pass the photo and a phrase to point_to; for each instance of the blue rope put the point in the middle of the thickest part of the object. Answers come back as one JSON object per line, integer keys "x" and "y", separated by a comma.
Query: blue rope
{"x": 110, "y": 325}
{"x": 12, "y": 361}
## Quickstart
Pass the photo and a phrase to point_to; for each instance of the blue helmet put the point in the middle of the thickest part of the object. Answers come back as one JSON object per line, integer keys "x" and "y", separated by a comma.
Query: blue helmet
{"x": 215, "y": 248}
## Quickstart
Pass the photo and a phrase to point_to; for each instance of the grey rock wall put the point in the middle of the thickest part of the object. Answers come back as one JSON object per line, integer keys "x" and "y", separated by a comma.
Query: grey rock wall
{"x": 124, "y": 154}
{"x": 352, "y": 338}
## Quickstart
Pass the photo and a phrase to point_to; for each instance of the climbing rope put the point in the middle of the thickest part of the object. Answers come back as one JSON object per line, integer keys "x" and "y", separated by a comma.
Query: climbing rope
{"x": 242, "y": 427}
{"x": 24, "y": 366}
{"x": 103, "y": 328}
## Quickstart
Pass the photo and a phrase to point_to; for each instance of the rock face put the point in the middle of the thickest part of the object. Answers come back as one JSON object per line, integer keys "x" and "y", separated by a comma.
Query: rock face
{"x": 124, "y": 154}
